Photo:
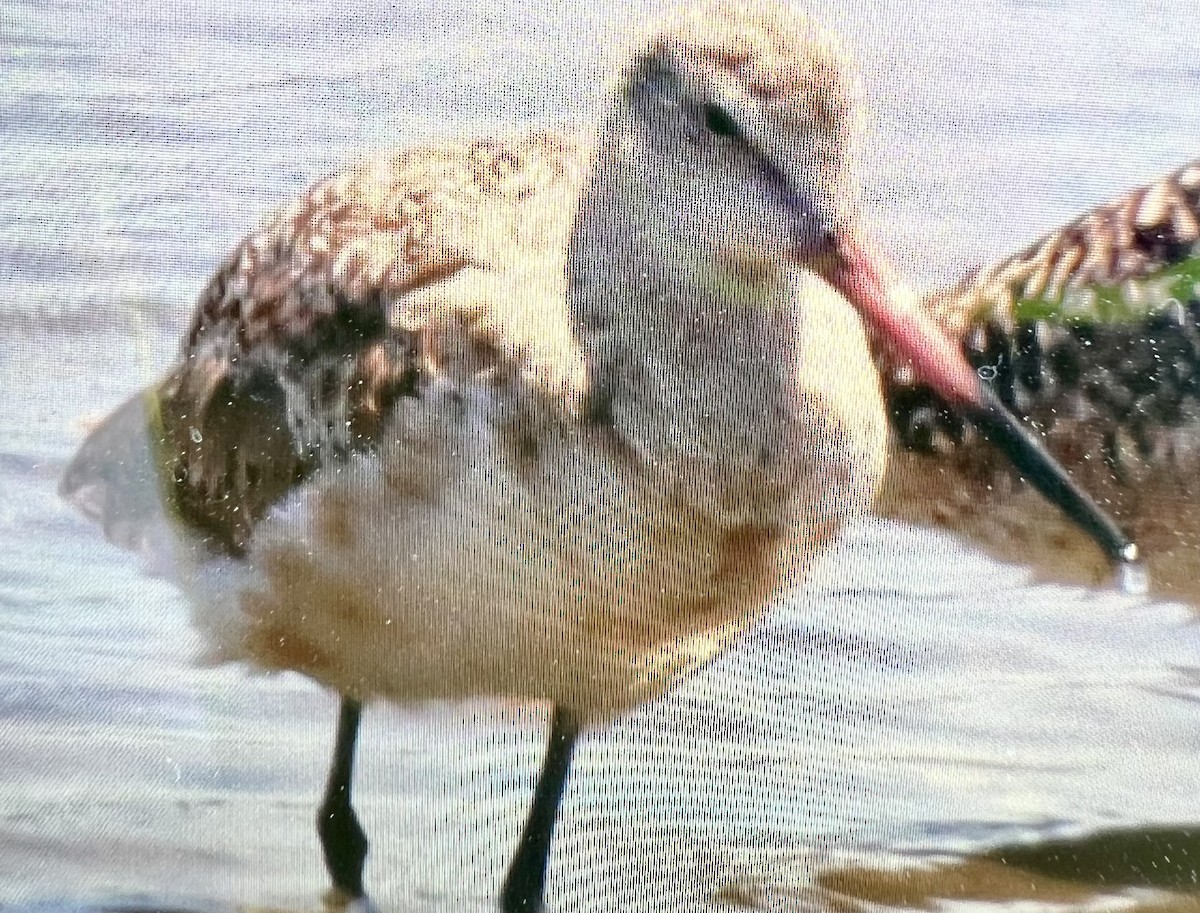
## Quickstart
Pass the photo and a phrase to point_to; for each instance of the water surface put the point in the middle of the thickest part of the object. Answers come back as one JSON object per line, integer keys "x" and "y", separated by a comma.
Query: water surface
{"x": 920, "y": 727}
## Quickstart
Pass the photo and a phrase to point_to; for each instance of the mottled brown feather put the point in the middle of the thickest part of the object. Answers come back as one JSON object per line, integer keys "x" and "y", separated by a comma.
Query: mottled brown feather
{"x": 302, "y": 341}
{"x": 1130, "y": 237}
{"x": 1116, "y": 400}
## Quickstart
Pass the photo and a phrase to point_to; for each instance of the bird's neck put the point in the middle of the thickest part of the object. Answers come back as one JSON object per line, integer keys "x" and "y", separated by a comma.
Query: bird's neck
{"x": 693, "y": 365}
{"x": 745, "y": 383}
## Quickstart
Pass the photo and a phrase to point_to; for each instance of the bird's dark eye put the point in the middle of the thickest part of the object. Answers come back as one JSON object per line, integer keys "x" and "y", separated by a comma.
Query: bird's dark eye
{"x": 718, "y": 121}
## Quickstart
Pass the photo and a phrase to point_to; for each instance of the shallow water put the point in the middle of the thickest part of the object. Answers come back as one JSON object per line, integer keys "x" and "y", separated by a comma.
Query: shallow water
{"x": 917, "y": 708}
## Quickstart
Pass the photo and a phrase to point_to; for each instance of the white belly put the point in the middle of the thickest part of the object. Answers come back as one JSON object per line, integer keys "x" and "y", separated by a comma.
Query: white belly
{"x": 447, "y": 567}
{"x": 560, "y": 587}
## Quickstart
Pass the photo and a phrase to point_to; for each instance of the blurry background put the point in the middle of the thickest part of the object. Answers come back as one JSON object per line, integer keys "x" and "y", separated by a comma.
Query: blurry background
{"x": 916, "y": 709}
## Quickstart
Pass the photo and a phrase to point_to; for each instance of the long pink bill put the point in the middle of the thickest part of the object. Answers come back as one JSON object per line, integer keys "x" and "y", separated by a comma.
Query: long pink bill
{"x": 913, "y": 337}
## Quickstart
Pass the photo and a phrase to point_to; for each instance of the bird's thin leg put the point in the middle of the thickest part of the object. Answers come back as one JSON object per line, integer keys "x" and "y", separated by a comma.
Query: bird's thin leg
{"x": 343, "y": 840}
{"x": 526, "y": 878}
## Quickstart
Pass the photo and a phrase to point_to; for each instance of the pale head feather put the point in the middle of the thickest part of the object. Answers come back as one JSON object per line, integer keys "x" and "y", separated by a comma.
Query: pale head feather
{"x": 786, "y": 80}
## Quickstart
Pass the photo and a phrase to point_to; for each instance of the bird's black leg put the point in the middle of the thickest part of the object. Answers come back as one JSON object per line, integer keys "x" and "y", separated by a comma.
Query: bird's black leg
{"x": 526, "y": 878}
{"x": 343, "y": 840}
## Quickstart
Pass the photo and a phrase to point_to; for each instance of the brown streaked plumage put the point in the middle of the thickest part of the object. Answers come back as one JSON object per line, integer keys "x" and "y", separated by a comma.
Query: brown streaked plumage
{"x": 319, "y": 323}
{"x": 540, "y": 418}
{"x": 1091, "y": 333}
{"x": 543, "y": 418}
{"x": 1126, "y": 240}
{"x": 365, "y": 321}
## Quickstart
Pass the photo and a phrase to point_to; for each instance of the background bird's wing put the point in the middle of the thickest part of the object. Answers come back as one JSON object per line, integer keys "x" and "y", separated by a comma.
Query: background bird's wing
{"x": 1092, "y": 335}
{"x": 317, "y": 323}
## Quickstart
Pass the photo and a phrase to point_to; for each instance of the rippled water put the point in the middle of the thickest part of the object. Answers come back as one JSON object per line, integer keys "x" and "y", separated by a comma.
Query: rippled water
{"x": 889, "y": 736}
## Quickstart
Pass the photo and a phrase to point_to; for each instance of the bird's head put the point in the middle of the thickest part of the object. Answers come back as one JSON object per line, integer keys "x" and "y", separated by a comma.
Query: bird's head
{"x": 744, "y": 114}
{"x": 725, "y": 165}
{"x": 728, "y": 149}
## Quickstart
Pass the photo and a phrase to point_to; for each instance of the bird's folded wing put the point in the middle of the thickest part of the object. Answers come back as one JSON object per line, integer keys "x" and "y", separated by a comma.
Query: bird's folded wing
{"x": 419, "y": 264}
{"x": 1092, "y": 335}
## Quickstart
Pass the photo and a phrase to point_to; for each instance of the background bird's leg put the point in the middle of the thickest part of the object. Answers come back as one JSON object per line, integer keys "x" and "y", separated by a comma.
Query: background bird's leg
{"x": 343, "y": 840}
{"x": 526, "y": 878}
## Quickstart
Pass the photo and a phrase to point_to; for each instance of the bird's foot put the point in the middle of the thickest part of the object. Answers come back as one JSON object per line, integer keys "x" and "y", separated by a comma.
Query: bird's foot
{"x": 338, "y": 901}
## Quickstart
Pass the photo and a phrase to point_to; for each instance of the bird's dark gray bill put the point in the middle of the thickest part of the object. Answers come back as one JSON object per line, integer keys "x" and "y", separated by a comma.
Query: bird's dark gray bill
{"x": 912, "y": 335}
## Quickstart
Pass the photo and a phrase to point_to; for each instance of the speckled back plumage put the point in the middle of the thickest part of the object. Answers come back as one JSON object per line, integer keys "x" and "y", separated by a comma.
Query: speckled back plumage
{"x": 1117, "y": 246}
{"x": 315, "y": 325}
{"x": 1092, "y": 334}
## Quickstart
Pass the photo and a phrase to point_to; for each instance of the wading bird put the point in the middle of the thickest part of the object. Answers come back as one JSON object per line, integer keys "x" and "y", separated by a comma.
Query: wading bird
{"x": 541, "y": 418}
{"x": 1092, "y": 336}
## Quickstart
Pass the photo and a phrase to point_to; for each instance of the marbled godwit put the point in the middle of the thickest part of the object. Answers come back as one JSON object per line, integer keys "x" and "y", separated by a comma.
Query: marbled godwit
{"x": 540, "y": 418}
{"x": 1092, "y": 334}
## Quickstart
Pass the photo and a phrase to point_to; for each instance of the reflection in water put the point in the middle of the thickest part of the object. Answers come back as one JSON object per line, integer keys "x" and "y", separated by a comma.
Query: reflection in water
{"x": 1136, "y": 858}
{"x": 1140, "y": 869}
